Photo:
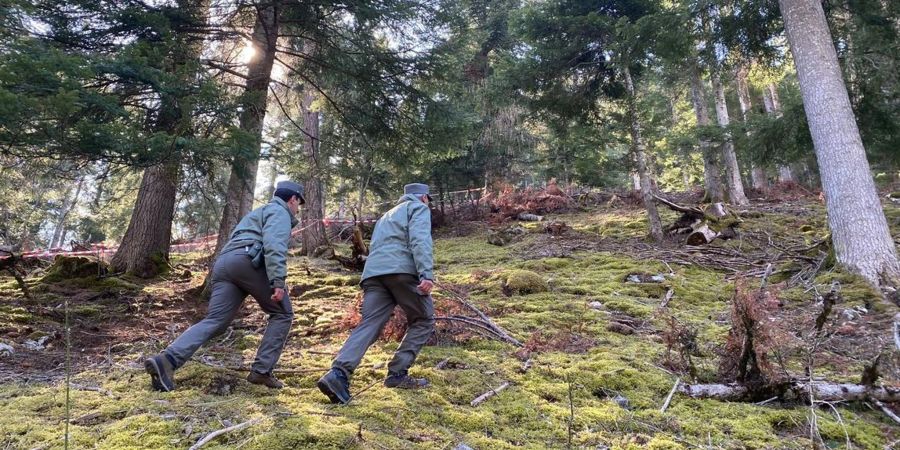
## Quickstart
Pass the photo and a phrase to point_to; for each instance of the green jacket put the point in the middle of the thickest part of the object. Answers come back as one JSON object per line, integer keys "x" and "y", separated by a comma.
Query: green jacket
{"x": 401, "y": 242}
{"x": 270, "y": 224}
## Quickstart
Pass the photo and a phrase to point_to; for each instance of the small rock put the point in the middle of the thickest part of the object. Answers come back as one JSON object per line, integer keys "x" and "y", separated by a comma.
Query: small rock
{"x": 849, "y": 314}
{"x": 596, "y": 305}
{"x": 6, "y": 349}
{"x": 622, "y": 401}
{"x": 462, "y": 446}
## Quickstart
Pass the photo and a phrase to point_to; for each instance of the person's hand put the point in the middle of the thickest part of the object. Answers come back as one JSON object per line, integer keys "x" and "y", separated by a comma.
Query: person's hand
{"x": 426, "y": 286}
{"x": 278, "y": 295}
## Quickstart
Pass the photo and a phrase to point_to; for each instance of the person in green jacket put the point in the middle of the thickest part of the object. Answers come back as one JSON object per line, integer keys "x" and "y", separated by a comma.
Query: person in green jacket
{"x": 399, "y": 272}
{"x": 253, "y": 262}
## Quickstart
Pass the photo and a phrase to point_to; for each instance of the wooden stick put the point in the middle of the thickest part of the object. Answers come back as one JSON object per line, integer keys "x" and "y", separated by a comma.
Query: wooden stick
{"x": 886, "y": 410}
{"x": 669, "y": 294}
{"x": 218, "y": 433}
{"x": 483, "y": 397}
{"x": 669, "y": 397}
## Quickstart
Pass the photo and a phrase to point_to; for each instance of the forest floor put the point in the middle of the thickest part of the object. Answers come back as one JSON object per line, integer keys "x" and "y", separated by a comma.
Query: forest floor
{"x": 604, "y": 352}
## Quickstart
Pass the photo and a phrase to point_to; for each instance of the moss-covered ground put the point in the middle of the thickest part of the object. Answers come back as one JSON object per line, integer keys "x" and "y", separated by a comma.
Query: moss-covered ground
{"x": 599, "y": 371}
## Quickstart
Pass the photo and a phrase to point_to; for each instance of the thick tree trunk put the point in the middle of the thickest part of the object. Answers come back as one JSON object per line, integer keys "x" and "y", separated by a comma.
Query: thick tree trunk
{"x": 732, "y": 171}
{"x": 145, "y": 247}
{"x": 313, "y": 235}
{"x": 242, "y": 181}
{"x": 640, "y": 152}
{"x": 59, "y": 235}
{"x": 711, "y": 173}
{"x": 757, "y": 173}
{"x": 862, "y": 241}
{"x": 773, "y": 106}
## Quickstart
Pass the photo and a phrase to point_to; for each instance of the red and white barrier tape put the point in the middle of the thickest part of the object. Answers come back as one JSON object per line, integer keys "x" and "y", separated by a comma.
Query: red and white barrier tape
{"x": 205, "y": 242}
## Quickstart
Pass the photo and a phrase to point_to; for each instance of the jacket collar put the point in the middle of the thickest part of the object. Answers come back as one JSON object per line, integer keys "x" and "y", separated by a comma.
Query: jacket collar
{"x": 284, "y": 205}
{"x": 409, "y": 198}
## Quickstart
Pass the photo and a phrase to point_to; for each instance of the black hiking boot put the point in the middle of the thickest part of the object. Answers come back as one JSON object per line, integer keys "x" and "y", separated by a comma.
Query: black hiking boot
{"x": 264, "y": 379}
{"x": 162, "y": 373}
{"x": 404, "y": 381}
{"x": 334, "y": 384}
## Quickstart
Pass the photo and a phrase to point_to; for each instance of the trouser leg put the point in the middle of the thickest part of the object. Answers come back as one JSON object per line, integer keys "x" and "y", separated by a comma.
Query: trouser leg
{"x": 376, "y": 311}
{"x": 419, "y": 311}
{"x": 281, "y": 314}
{"x": 224, "y": 302}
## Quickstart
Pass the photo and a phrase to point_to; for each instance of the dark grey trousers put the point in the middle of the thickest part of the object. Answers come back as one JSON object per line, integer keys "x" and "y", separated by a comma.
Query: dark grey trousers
{"x": 233, "y": 278}
{"x": 380, "y": 295}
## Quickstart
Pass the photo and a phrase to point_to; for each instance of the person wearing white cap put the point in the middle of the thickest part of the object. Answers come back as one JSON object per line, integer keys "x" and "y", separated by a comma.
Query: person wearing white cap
{"x": 399, "y": 272}
{"x": 253, "y": 262}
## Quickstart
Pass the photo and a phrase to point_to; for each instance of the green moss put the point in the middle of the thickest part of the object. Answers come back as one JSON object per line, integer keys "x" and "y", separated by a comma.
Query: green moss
{"x": 523, "y": 281}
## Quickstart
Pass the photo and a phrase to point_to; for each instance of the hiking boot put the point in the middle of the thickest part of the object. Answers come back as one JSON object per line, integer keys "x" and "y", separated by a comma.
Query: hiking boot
{"x": 265, "y": 379}
{"x": 162, "y": 372}
{"x": 404, "y": 381}
{"x": 334, "y": 384}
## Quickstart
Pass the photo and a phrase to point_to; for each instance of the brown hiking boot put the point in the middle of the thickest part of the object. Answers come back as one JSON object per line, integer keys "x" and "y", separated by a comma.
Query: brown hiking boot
{"x": 162, "y": 372}
{"x": 404, "y": 381}
{"x": 265, "y": 379}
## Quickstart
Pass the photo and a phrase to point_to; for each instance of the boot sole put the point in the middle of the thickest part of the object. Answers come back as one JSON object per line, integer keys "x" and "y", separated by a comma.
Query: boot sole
{"x": 156, "y": 376}
{"x": 330, "y": 393}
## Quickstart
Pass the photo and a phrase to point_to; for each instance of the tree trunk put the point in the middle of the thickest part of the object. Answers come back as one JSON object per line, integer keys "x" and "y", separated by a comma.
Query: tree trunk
{"x": 711, "y": 174}
{"x": 242, "y": 181}
{"x": 732, "y": 171}
{"x": 313, "y": 235}
{"x": 773, "y": 107}
{"x": 145, "y": 247}
{"x": 637, "y": 145}
{"x": 59, "y": 235}
{"x": 862, "y": 241}
{"x": 757, "y": 174}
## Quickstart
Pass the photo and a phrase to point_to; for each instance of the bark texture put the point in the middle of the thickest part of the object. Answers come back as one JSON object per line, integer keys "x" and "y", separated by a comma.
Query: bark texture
{"x": 732, "y": 171}
{"x": 712, "y": 176}
{"x": 313, "y": 235}
{"x": 862, "y": 241}
{"x": 242, "y": 180}
{"x": 772, "y": 104}
{"x": 145, "y": 247}
{"x": 640, "y": 153}
{"x": 757, "y": 174}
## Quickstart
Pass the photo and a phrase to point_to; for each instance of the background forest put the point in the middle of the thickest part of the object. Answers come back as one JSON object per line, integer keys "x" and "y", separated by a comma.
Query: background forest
{"x": 658, "y": 224}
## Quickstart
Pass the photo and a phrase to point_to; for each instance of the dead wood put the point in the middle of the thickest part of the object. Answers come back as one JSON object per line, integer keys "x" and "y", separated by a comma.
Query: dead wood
{"x": 484, "y": 397}
{"x": 9, "y": 263}
{"x": 791, "y": 391}
{"x": 359, "y": 252}
{"x": 482, "y": 322}
{"x": 218, "y": 433}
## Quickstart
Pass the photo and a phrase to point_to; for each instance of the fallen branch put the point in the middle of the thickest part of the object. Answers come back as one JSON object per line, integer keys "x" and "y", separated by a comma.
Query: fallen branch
{"x": 669, "y": 294}
{"x": 218, "y": 433}
{"x": 800, "y": 389}
{"x": 897, "y": 331}
{"x": 669, "y": 397}
{"x": 887, "y": 411}
{"x": 483, "y": 397}
{"x": 483, "y": 320}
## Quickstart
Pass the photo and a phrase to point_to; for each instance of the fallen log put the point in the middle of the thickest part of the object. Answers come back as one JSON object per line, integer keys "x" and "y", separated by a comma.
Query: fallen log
{"x": 792, "y": 390}
{"x": 702, "y": 225}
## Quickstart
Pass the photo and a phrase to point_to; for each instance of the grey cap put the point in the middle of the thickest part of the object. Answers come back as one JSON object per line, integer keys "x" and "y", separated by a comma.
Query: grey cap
{"x": 417, "y": 189}
{"x": 289, "y": 185}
